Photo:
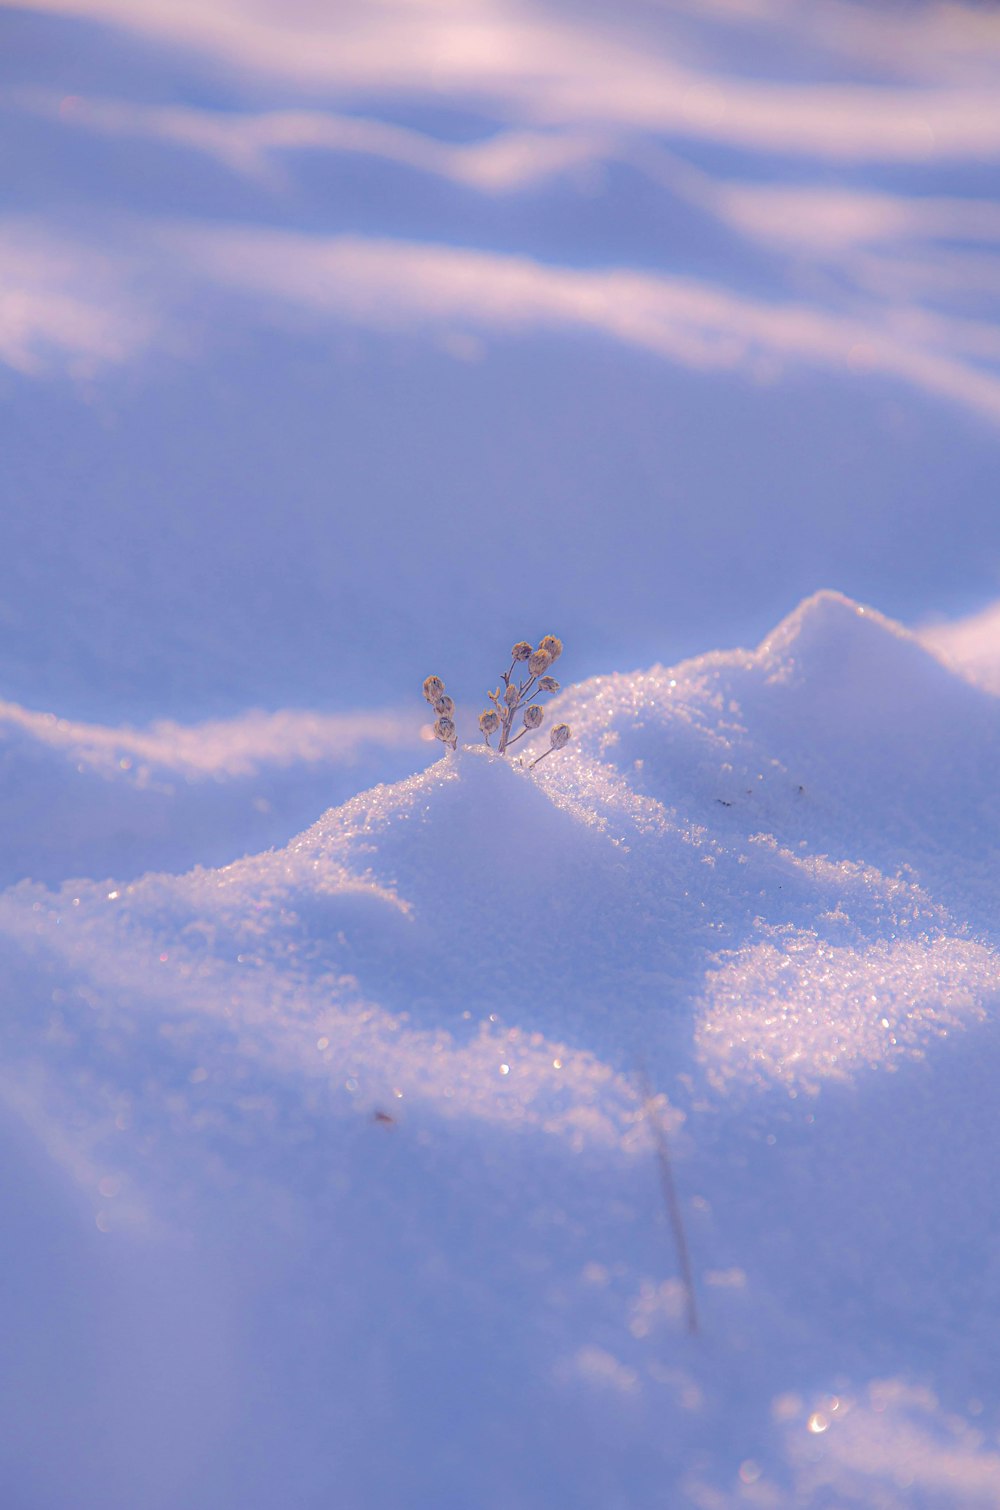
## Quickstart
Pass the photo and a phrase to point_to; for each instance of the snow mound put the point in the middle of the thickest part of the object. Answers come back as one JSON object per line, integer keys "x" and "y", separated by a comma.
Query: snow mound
{"x": 748, "y": 861}
{"x": 840, "y": 734}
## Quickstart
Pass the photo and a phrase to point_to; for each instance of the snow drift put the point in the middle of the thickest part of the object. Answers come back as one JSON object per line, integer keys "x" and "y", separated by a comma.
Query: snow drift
{"x": 381, "y": 1088}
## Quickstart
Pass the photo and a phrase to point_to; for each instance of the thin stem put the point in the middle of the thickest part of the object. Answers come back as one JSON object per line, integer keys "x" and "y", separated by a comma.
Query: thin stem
{"x": 541, "y": 756}
{"x": 669, "y": 1192}
{"x": 509, "y": 713}
{"x": 523, "y": 693}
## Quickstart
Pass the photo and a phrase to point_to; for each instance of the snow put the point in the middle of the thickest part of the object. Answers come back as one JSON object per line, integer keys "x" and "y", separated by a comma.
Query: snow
{"x": 343, "y": 1082}
{"x": 333, "y": 1166}
{"x": 82, "y": 799}
{"x": 971, "y": 645}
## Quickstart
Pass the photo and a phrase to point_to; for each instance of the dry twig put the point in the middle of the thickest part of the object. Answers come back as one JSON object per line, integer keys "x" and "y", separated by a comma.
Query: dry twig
{"x": 670, "y": 1201}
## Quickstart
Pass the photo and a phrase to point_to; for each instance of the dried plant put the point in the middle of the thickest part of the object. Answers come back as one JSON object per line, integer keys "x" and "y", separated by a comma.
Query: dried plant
{"x": 514, "y": 696}
{"x": 444, "y": 725}
{"x": 558, "y": 737}
{"x": 511, "y": 697}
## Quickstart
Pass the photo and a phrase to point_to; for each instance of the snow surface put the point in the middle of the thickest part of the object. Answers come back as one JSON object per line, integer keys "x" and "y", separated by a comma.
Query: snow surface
{"x": 333, "y": 1171}
{"x": 972, "y": 645}
{"x": 81, "y": 799}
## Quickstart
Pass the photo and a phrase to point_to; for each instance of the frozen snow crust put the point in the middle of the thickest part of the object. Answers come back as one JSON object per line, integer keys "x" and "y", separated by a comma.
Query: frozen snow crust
{"x": 357, "y": 1129}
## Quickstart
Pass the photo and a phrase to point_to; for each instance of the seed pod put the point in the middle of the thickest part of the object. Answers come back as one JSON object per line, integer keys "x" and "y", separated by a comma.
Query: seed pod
{"x": 444, "y": 704}
{"x": 444, "y": 729}
{"x": 533, "y": 716}
{"x": 433, "y": 687}
{"x": 549, "y": 684}
{"x": 553, "y": 645}
{"x": 511, "y": 696}
{"x": 521, "y": 650}
{"x": 489, "y": 721}
{"x": 559, "y": 736}
{"x": 539, "y": 661}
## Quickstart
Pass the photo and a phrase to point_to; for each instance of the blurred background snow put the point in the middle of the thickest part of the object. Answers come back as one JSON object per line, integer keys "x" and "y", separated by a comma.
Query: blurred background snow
{"x": 345, "y": 343}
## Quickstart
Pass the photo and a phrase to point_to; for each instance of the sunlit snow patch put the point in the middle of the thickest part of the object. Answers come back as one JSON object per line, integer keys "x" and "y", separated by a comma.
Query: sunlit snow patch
{"x": 799, "y": 1010}
{"x": 894, "y": 1446}
{"x": 971, "y": 645}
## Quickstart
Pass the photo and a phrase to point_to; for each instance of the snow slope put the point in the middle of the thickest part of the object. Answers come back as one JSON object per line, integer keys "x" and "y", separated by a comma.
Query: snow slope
{"x": 353, "y": 1189}
{"x": 971, "y": 644}
{"x": 92, "y": 799}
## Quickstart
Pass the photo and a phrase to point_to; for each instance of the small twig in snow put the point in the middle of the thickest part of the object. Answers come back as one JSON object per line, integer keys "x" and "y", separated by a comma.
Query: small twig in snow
{"x": 669, "y": 1192}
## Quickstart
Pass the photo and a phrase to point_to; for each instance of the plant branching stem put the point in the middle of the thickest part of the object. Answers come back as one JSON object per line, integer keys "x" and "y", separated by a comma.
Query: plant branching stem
{"x": 508, "y": 712}
{"x": 511, "y": 710}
